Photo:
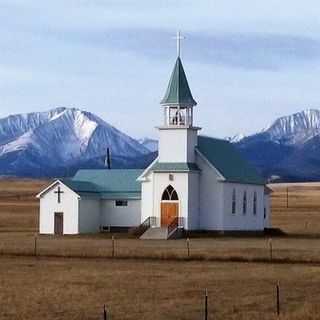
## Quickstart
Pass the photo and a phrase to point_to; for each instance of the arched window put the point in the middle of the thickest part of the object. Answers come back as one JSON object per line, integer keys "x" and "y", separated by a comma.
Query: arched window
{"x": 255, "y": 203}
{"x": 234, "y": 201}
{"x": 244, "y": 204}
{"x": 169, "y": 194}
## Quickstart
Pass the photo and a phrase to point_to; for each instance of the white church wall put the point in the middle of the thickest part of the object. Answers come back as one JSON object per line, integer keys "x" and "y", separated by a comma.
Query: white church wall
{"x": 179, "y": 183}
{"x": 120, "y": 216}
{"x": 89, "y": 215}
{"x": 210, "y": 196}
{"x": 147, "y": 197}
{"x": 69, "y": 207}
{"x": 240, "y": 221}
{"x": 193, "y": 201}
{"x": 192, "y": 142}
{"x": 181, "y": 140}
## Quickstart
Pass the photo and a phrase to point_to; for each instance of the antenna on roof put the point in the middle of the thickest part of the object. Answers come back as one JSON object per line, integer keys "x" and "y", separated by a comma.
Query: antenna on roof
{"x": 107, "y": 161}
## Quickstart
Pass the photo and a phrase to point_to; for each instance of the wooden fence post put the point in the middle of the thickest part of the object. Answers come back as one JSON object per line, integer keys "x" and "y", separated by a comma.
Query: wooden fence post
{"x": 206, "y": 305}
{"x": 278, "y": 298}
{"x": 188, "y": 247}
{"x": 35, "y": 245}
{"x": 270, "y": 248}
{"x": 113, "y": 249}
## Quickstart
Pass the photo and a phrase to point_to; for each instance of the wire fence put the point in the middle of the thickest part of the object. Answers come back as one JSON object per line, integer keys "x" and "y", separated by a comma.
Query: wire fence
{"x": 266, "y": 250}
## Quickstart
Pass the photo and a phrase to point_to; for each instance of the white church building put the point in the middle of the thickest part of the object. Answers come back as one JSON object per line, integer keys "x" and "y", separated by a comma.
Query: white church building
{"x": 196, "y": 183}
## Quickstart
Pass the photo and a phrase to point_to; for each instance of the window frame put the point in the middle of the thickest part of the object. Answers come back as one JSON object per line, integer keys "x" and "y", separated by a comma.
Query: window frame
{"x": 255, "y": 201}
{"x": 234, "y": 202}
{"x": 244, "y": 203}
{"x": 120, "y": 203}
{"x": 169, "y": 194}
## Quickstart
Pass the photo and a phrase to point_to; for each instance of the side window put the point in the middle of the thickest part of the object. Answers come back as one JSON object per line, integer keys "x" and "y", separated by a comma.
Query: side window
{"x": 121, "y": 203}
{"x": 255, "y": 203}
{"x": 244, "y": 203}
{"x": 234, "y": 201}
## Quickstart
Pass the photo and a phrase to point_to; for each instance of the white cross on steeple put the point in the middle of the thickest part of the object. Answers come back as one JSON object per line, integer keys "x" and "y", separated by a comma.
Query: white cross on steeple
{"x": 178, "y": 37}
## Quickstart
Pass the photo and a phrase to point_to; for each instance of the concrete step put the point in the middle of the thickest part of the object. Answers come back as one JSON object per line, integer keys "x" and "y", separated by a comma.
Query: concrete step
{"x": 155, "y": 234}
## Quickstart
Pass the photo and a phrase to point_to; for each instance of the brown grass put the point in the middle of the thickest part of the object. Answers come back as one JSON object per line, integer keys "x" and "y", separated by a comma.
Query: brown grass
{"x": 18, "y": 206}
{"x": 142, "y": 288}
{"x": 296, "y": 208}
{"x": 77, "y": 289}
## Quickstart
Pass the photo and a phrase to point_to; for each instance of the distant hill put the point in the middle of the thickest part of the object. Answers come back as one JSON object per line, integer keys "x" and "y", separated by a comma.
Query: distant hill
{"x": 58, "y": 142}
{"x": 288, "y": 149}
{"x": 150, "y": 144}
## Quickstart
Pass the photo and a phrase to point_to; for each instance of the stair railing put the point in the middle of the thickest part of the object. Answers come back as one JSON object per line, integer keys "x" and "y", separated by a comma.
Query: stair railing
{"x": 177, "y": 223}
{"x": 144, "y": 226}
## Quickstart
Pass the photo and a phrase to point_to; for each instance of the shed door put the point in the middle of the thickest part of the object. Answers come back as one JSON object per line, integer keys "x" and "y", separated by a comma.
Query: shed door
{"x": 58, "y": 223}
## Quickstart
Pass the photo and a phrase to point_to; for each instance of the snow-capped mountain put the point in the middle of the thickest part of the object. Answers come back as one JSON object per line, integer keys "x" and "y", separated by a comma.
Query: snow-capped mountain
{"x": 236, "y": 138}
{"x": 296, "y": 128}
{"x": 289, "y": 147}
{"x": 58, "y": 138}
{"x": 150, "y": 144}
{"x": 62, "y": 140}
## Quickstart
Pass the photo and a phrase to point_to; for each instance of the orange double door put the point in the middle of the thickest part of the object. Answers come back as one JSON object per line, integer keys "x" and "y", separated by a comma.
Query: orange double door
{"x": 169, "y": 211}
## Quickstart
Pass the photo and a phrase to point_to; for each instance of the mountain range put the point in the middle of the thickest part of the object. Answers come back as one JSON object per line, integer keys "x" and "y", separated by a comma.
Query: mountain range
{"x": 287, "y": 150}
{"x": 60, "y": 141}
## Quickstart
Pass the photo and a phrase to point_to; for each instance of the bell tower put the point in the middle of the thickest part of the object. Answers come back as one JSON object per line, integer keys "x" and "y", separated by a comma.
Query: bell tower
{"x": 178, "y": 135}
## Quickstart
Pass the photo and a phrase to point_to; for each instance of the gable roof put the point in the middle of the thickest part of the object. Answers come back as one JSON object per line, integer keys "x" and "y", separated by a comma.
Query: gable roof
{"x": 174, "y": 166}
{"x": 178, "y": 91}
{"x": 226, "y": 159}
{"x": 80, "y": 186}
{"x": 117, "y": 184}
{"x": 51, "y": 186}
{"x": 109, "y": 184}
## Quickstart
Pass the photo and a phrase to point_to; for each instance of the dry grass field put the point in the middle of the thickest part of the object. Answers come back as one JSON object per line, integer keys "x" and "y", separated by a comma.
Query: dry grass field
{"x": 18, "y": 206}
{"x": 72, "y": 277}
{"x": 78, "y": 288}
{"x": 296, "y": 208}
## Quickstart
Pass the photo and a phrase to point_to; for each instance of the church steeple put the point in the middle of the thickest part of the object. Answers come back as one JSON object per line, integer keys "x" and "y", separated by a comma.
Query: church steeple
{"x": 178, "y": 136}
{"x": 178, "y": 92}
{"x": 178, "y": 101}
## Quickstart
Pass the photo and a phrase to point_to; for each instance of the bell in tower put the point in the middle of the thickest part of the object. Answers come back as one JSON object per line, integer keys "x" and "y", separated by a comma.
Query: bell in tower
{"x": 178, "y": 135}
{"x": 178, "y": 102}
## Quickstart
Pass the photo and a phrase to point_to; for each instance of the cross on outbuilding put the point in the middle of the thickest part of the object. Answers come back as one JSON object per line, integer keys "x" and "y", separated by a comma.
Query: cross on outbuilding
{"x": 59, "y": 192}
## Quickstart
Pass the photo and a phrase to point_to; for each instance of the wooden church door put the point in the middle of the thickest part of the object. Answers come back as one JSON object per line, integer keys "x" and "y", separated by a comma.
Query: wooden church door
{"x": 169, "y": 206}
{"x": 58, "y": 223}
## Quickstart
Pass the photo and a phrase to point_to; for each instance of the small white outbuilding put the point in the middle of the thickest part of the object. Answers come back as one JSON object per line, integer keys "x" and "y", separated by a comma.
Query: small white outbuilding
{"x": 94, "y": 200}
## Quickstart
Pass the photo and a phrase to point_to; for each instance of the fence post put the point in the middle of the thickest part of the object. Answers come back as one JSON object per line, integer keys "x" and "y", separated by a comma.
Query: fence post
{"x": 188, "y": 246}
{"x": 113, "y": 249}
{"x": 206, "y": 305}
{"x": 270, "y": 248}
{"x": 104, "y": 312}
{"x": 35, "y": 245}
{"x": 278, "y": 298}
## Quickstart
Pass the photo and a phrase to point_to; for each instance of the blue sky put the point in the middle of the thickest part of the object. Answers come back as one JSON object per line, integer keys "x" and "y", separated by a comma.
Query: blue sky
{"x": 247, "y": 61}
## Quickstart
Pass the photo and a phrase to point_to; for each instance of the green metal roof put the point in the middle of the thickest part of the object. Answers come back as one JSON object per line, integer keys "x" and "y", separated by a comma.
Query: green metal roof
{"x": 174, "y": 166}
{"x": 178, "y": 91}
{"x": 227, "y": 160}
{"x": 81, "y": 186}
{"x": 108, "y": 184}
